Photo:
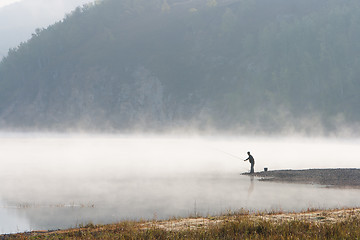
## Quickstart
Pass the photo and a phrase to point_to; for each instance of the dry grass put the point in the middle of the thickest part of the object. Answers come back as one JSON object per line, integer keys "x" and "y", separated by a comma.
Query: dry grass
{"x": 335, "y": 224}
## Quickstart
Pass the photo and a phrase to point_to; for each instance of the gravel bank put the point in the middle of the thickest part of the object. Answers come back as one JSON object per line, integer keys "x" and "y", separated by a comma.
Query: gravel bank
{"x": 327, "y": 177}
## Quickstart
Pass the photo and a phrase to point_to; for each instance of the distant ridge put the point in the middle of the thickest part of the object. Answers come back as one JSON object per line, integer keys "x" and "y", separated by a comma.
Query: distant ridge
{"x": 154, "y": 65}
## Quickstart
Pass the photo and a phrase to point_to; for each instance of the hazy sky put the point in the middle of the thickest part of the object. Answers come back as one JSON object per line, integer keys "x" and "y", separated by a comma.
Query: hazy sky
{"x": 20, "y": 18}
{"x": 4, "y": 3}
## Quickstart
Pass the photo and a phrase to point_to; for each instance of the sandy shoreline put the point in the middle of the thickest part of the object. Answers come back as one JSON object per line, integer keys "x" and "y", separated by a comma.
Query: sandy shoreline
{"x": 191, "y": 224}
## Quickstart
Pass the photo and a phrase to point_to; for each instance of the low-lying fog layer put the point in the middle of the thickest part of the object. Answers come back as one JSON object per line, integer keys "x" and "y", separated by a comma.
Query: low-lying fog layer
{"x": 60, "y": 181}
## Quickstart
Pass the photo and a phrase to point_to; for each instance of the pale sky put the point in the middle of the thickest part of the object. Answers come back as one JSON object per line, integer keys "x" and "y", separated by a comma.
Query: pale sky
{"x": 4, "y": 3}
{"x": 20, "y": 18}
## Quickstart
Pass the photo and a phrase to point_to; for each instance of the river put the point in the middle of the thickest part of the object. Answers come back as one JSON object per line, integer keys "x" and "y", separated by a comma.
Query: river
{"x": 57, "y": 181}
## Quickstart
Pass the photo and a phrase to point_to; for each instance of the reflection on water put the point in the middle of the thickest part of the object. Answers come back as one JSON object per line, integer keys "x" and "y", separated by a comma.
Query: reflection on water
{"x": 60, "y": 182}
{"x": 252, "y": 185}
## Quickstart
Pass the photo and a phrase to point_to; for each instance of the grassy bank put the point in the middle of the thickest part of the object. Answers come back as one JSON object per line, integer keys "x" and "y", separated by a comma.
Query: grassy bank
{"x": 335, "y": 224}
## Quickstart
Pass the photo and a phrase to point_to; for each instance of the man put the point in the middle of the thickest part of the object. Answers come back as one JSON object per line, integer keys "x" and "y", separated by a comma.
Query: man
{"x": 252, "y": 162}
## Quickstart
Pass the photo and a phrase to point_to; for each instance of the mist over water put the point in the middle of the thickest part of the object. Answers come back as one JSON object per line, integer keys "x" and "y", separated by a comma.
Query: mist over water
{"x": 60, "y": 181}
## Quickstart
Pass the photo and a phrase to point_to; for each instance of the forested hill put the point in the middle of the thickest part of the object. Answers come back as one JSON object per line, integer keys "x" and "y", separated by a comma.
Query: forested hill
{"x": 230, "y": 65}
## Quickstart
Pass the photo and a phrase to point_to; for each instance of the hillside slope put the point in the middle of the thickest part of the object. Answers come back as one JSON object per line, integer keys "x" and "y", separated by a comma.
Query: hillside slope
{"x": 232, "y": 65}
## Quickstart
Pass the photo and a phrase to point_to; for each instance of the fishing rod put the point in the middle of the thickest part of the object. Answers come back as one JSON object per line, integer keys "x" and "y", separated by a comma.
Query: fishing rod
{"x": 232, "y": 155}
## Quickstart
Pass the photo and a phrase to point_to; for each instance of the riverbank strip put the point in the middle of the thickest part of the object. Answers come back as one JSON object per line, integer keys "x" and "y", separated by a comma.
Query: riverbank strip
{"x": 312, "y": 224}
{"x": 336, "y": 177}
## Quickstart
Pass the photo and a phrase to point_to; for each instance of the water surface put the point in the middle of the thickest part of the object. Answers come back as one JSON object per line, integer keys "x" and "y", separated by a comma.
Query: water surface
{"x": 62, "y": 181}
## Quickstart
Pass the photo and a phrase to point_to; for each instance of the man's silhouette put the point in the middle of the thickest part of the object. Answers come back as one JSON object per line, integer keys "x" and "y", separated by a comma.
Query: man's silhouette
{"x": 252, "y": 162}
